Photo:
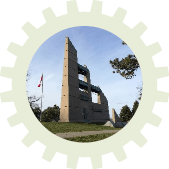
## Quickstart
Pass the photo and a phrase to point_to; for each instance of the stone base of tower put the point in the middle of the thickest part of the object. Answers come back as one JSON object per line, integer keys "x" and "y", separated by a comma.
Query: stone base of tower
{"x": 63, "y": 120}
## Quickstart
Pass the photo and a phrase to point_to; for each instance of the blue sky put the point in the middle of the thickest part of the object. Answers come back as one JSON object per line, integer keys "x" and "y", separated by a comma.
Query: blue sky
{"x": 95, "y": 47}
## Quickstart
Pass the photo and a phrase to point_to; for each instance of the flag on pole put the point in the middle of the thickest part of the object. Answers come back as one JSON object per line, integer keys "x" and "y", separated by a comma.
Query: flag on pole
{"x": 41, "y": 79}
{"x": 39, "y": 85}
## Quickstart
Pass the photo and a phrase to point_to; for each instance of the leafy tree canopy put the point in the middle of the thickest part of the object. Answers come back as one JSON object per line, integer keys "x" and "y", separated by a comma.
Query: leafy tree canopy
{"x": 125, "y": 67}
{"x": 51, "y": 114}
{"x": 125, "y": 114}
{"x": 135, "y": 106}
{"x": 37, "y": 112}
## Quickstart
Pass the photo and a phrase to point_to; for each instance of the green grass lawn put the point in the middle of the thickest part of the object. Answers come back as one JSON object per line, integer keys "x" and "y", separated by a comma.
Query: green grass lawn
{"x": 56, "y": 127}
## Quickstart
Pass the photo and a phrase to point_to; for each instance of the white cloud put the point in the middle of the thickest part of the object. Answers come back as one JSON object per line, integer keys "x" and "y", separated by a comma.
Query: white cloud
{"x": 48, "y": 77}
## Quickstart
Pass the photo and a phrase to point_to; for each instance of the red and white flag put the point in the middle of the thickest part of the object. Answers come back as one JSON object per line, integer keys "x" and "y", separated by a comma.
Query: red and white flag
{"x": 41, "y": 79}
{"x": 39, "y": 85}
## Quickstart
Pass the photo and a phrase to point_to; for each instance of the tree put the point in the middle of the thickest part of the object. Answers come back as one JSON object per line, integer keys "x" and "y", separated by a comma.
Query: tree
{"x": 135, "y": 106}
{"x": 51, "y": 114}
{"x": 124, "y": 43}
{"x": 33, "y": 99}
{"x": 127, "y": 67}
{"x": 125, "y": 114}
{"x": 37, "y": 112}
{"x": 140, "y": 88}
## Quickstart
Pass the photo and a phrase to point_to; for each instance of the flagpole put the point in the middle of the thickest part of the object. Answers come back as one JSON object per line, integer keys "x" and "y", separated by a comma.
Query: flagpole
{"x": 41, "y": 96}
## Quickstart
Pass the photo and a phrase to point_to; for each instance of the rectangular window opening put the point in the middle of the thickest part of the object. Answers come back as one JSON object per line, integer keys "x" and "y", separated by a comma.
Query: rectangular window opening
{"x": 94, "y": 97}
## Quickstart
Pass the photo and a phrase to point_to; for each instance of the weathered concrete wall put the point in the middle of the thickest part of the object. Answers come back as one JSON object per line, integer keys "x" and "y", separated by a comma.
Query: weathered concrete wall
{"x": 73, "y": 100}
{"x": 115, "y": 117}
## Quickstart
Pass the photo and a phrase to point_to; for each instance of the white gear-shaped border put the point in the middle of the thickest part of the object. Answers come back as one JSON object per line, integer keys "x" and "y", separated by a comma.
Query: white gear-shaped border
{"x": 95, "y": 150}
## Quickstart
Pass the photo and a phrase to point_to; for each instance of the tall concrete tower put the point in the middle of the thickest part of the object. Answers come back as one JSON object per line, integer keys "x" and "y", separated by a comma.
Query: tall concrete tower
{"x": 70, "y": 85}
{"x": 77, "y": 105}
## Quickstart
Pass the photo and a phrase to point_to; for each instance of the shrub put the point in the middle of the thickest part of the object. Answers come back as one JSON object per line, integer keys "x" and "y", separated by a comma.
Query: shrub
{"x": 50, "y": 114}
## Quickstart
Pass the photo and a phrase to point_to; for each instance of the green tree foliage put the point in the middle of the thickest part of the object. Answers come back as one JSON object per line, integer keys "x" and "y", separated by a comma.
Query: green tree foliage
{"x": 135, "y": 106}
{"x": 125, "y": 114}
{"x": 50, "y": 114}
{"x": 37, "y": 112}
{"x": 127, "y": 68}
